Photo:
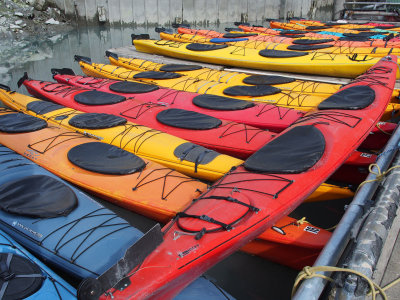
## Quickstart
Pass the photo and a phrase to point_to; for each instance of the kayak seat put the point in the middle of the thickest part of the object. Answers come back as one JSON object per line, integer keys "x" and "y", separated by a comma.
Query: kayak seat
{"x": 132, "y": 87}
{"x": 179, "y": 68}
{"x": 20, "y": 277}
{"x": 105, "y": 159}
{"x": 311, "y": 41}
{"x": 156, "y": 75}
{"x": 295, "y": 151}
{"x": 317, "y": 27}
{"x": 215, "y": 102}
{"x": 181, "y": 118}
{"x": 195, "y": 153}
{"x": 356, "y": 97}
{"x": 96, "y": 121}
{"x": 37, "y": 196}
{"x": 281, "y": 53}
{"x": 267, "y": 80}
{"x": 205, "y": 47}
{"x": 43, "y": 107}
{"x": 18, "y": 123}
{"x": 230, "y": 35}
{"x": 251, "y": 91}
{"x": 308, "y": 47}
{"x": 98, "y": 98}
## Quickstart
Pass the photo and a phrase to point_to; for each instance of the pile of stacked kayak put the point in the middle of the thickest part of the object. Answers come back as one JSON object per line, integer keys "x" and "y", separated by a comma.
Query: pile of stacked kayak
{"x": 219, "y": 158}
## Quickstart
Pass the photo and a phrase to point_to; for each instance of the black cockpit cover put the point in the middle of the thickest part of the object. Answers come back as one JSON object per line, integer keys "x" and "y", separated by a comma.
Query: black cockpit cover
{"x": 215, "y": 102}
{"x": 24, "y": 277}
{"x": 231, "y": 35}
{"x": 311, "y": 41}
{"x": 18, "y": 123}
{"x": 267, "y": 80}
{"x": 132, "y": 87}
{"x": 179, "y": 68}
{"x": 205, "y": 47}
{"x": 281, "y": 53}
{"x": 195, "y": 153}
{"x": 187, "y": 119}
{"x": 156, "y": 75}
{"x": 96, "y": 121}
{"x": 355, "y": 38}
{"x": 287, "y": 32}
{"x": 37, "y": 196}
{"x": 360, "y": 34}
{"x": 98, "y": 98}
{"x": 43, "y": 107}
{"x": 105, "y": 159}
{"x": 356, "y": 97}
{"x": 294, "y": 151}
{"x": 251, "y": 90}
{"x": 308, "y": 47}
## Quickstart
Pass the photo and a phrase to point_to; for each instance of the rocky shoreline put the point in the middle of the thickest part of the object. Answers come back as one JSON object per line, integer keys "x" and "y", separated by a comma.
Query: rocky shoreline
{"x": 28, "y": 30}
{"x": 20, "y": 19}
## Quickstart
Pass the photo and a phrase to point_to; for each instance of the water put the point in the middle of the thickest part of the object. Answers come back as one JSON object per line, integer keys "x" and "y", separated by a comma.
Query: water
{"x": 242, "y": 275}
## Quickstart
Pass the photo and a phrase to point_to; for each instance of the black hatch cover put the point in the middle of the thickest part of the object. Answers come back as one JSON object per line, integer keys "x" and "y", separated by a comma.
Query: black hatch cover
{"x": 105, "y": 159}
{"x": 251, "y": 90}
{"x": 20, "y": 277}
{"x": 132, "y": 87}
{"x": 179, "y": 68}
{"x": 156, "y": 75}
{"x": 37, "y": 196}
{"x": 43, "y": 107}
{"x": 98, "y": 98}
{"x": 267, "y": 80}
{"x": 215, "y": 102}
{"x": 294, "y": 151}
{"x": 281, "y": 53}
{"x": 356, "y": 97}
{"x": 187, "y": 119}
{"x": 96, "y": 121}
{"x": 205, "y": 47}
{"x": 18, "y": 123}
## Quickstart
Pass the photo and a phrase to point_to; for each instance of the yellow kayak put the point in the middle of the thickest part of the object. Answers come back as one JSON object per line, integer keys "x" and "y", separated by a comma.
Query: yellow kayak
{"x": 308, "y": 47}
{"x": 285, "y": 99}
{"x": 230, "y": 78}
{"x": 145, "y": 142}
{"x": 273, "y": 60}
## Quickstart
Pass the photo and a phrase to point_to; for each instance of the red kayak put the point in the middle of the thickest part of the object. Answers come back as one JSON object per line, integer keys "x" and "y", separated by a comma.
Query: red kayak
{"x": 354, "y": 171}
{"x": 235, "y": 139}
{"x": 264, "y": 116}
{"x": 251, "y": 197}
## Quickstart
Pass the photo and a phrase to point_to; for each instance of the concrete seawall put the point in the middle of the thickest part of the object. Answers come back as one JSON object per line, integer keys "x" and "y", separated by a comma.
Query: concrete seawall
{"x": 198, "y": 12}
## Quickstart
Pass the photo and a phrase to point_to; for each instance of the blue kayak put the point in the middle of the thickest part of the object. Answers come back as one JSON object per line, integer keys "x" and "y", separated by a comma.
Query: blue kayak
{"x": 22, "y": 276}
{"x": 57, "y": 222}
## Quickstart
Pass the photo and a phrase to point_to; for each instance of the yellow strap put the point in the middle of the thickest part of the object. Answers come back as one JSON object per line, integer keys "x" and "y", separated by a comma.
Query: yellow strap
{"x": 302, "y": 221}
{"x": 379, "y": 175}
{"x": 310, "y": 272}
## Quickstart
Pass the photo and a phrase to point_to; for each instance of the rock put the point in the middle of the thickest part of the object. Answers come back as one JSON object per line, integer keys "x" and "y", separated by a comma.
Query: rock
{"x": 18, "y": 14}
{"x": 52, "y": 22}
{"x": 13, "y": 26}
{"x": 18, "y": 22}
